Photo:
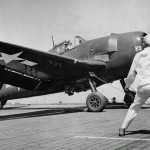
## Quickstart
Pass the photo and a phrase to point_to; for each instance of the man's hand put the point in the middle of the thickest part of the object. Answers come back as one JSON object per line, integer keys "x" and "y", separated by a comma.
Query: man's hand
{"x": 126, "y": 88}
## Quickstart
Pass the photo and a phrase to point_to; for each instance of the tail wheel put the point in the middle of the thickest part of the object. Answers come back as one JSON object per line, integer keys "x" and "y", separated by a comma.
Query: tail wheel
{"x": 129, "y": 98}
{"x": 2, "y": 103}
{"x": 95, "y": 102}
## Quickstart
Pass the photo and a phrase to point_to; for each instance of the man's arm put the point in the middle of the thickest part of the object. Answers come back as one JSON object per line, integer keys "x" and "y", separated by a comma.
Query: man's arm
{"x": 132, "y": 74}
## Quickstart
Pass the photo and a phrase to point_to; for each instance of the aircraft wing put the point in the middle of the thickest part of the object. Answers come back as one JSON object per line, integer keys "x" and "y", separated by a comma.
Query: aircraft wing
{"x": 33, "y": 70}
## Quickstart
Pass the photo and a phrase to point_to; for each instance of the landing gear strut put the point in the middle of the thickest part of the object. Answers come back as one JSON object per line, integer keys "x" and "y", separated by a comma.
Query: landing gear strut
{"x": 95, "y": 101}
{"x": 129, "y": 95}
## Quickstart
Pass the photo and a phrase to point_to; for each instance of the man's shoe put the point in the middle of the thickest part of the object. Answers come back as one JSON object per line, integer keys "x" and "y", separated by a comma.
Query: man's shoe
{"x": 121, "y": 132}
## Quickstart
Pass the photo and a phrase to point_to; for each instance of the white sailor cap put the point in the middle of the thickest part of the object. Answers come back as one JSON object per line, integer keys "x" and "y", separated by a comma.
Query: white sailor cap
{"x": 146, "y": 39}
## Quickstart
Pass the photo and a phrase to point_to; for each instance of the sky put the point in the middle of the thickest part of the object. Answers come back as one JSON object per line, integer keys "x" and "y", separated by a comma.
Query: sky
{"x": 31, "y": 23}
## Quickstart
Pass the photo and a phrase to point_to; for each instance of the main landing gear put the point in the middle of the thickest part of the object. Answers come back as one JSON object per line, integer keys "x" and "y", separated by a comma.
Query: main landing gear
{"x": 95, "y": 101}
{"x": 129, "y": 95}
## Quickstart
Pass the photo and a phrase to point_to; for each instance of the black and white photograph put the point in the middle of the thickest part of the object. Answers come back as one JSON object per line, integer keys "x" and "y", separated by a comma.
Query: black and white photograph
{"x": 74, "y": 75}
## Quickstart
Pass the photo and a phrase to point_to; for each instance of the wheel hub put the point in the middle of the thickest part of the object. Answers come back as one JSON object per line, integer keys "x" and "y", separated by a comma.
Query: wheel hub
{"x": 95, "y": 102}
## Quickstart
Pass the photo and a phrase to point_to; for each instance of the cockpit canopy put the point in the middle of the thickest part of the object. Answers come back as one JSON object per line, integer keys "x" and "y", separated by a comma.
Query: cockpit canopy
{"x": 61, "y": 47}
{"x": 66, "y": 45}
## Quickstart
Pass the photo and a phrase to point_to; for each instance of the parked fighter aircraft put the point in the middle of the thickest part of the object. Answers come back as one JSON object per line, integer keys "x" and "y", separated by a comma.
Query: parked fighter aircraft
{"x": 83, "y": 67}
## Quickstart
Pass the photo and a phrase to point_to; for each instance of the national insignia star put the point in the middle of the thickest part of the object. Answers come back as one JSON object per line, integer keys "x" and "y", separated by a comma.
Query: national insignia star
{"x": 8, "y": 58}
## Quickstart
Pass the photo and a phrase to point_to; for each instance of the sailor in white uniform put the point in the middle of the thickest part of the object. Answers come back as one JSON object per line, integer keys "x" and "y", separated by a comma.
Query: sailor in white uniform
{"x": 140, "y": 68}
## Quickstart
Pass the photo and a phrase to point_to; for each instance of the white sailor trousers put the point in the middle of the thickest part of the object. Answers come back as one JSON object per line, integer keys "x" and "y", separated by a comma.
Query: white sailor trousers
{"x": 143, "y": 93}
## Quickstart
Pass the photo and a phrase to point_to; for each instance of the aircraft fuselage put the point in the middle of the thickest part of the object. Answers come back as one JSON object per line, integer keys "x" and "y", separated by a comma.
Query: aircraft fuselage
{"x": 115, "y": 51}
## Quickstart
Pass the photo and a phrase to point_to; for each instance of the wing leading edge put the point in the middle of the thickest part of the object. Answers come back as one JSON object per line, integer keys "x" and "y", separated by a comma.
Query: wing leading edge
{"x": 35, "y": 70}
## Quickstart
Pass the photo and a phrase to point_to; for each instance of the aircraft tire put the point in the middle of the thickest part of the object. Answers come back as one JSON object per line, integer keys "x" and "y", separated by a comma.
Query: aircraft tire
{"x": 129, "y": 99}
{"x": 95, "y": 102}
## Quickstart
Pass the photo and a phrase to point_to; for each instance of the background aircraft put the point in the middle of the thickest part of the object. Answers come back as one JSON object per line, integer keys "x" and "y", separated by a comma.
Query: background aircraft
{"x": 85, "y": 66}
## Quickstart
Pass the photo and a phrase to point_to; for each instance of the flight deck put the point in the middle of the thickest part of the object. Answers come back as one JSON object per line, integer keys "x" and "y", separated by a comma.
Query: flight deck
{"x": 71, "y": 127}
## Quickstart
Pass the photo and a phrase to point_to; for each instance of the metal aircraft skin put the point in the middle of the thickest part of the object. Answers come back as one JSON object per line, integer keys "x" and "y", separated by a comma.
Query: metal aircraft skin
{"x": 86, "y": 66}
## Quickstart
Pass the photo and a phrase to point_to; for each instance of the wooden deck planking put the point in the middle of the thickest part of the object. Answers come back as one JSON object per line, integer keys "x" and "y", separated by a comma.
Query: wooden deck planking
{"x": 48, "y": 129}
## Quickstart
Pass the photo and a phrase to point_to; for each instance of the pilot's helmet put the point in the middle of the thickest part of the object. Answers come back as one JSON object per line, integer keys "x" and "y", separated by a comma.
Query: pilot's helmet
{"x": 146, "y": 39}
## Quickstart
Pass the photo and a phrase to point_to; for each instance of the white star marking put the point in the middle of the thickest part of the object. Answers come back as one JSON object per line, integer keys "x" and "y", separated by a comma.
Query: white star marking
{"x": 8, "y": 58}
{"x": 29, "y": 63}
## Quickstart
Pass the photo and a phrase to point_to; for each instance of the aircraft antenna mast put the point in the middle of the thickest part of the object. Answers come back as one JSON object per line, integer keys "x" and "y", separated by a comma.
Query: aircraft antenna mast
{"x": 53, "y": 41}
{"x": 74, "y": 41}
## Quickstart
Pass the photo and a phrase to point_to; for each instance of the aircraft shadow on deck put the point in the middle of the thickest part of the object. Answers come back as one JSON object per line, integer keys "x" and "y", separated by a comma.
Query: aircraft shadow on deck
{"x": 39, "y": 113}
{"x": 121, "y": 106}
{"x": 42, "y": 111}
{"x": 116, "y": 106}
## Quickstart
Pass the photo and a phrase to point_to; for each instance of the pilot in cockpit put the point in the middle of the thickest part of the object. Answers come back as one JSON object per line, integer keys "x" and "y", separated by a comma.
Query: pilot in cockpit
{"x": 67, "y": 44}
